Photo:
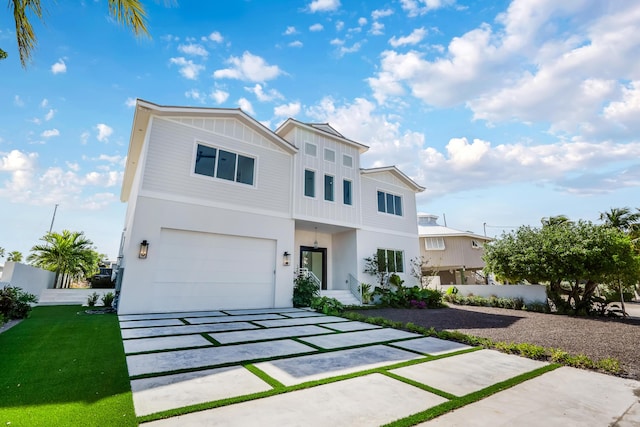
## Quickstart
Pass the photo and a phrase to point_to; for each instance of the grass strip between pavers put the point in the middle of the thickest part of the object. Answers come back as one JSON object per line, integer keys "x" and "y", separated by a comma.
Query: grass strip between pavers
{"x": 63, "y": 367}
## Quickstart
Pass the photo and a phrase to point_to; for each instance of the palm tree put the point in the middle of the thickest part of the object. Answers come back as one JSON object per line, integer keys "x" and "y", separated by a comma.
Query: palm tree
{"x": 69, "y": 254}
{"x": 131, "y": 13}
{"x": 15, "y": 256}
{"x": 621, "y": 218}
{"x": 556, "y": 220}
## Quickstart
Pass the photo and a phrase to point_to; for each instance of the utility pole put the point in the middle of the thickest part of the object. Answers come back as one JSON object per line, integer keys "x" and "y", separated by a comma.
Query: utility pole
{"x": 53, "y": 218}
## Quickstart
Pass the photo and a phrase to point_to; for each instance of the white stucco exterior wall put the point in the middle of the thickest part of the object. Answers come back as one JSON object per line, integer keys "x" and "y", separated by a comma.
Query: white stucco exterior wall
{"x": 31, "y": 279}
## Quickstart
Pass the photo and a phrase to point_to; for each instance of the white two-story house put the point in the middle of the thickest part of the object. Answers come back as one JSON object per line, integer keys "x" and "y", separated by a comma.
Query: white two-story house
{"x": 222, "y": 211}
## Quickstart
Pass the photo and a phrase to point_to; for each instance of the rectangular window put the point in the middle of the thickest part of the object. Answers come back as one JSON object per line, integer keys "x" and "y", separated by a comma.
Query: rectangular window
{"x": 434, "y": 243}
{"x": 476, "y": 244}
{"x": 389, "y": 203}
{"x": 309, "y": 183}
{"x": 310, "y": 149}
{"x": 347, "y": 161}
{"x": 205, "y": 160}
{"x": 328, "y": 188}
{"x": 224, "y": 165}
{"x": 346, "y": 192}
{"x": 391, "y": 260}
{"x": 329, "y": 155}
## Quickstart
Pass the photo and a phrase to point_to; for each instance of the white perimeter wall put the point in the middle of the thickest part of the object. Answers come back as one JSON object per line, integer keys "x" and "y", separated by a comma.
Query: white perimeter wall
{"x": 154, "y": 214}
{"x": 529, "y": 293}
{"x": 370, "y": 241}
{"x": 31, "y": 279}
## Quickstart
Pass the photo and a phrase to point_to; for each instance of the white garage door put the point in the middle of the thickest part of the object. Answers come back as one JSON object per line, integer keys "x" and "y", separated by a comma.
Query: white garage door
{"x": 205, "y": 271}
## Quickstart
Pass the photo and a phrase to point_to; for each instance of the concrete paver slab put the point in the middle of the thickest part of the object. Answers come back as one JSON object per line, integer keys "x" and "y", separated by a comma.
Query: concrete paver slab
{"x": 469, "y": 372}
{"x": 350, "y": 339}
{"x": 184, "y": 330}
{"x": 351, "y": 326}
{"x": 303, "y": 313}
{"x": 174, "y": 391}
{"x": 431, "y": 345}
{"x": 221, "y": 319}
{"x": 563, "y": 397}
{"x": 176, "y": 315}
{"x": 300, "y": 321}
{"x": 366, "y": 401}
{"x": 262, "y": 311}
{"x": 141, "y": 364}
{"x": 164, "y": 343}
{"x": 265, "y": 334}
{"x": 147, "y": 323}
{"x": 297, "y": 370}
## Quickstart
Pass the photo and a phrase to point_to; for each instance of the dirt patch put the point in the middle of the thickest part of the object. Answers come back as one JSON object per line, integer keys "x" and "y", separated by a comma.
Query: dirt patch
{"x": 597, "y": 338}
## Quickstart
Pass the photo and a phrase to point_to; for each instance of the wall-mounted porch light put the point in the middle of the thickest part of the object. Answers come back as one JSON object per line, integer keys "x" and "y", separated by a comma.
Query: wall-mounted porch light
{"x": 144, "y": 249}
{"x": 286, "y": 258}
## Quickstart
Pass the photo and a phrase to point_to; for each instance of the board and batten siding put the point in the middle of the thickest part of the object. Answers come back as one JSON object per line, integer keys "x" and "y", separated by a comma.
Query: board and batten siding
{"x": 457, "y": 252}
{"x": 317, "y": 208}
{"x": 170, "y": 164}
{"x": 387, "y": 182}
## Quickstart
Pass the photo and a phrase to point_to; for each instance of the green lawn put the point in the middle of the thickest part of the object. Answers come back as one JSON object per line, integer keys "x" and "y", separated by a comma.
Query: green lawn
{"x": 62, "y": 367}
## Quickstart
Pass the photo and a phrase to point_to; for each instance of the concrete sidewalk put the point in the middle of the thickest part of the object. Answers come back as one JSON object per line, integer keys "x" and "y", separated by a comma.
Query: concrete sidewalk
{"x": 185, "y": 359}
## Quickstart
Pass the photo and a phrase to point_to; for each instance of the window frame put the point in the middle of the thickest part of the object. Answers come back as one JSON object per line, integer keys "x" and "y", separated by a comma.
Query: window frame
{"x": 388, "y": 199}
{"x": 307, "y": 146}
{"x": 332, "y": 188}
{"x": 333, "y": 153}
{"x": 439, "y": 246}
{"x": 344, "y": 193}
{"x": 346, "y": 156}
{"x": 475, "y": 244}
{"x": 214, "y": 176}
{"x": 313, "y": 185}
{"x": 398, "y": 259}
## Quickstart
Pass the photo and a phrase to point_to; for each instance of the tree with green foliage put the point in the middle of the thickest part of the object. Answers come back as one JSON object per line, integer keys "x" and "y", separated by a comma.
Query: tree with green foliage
{"x": 1, "y": 252}
{"x": 572, "y": 258}
{"x": 15, "y": 256}
{"x": 130, "y": 13}
{"x": 621, "y": 218}
{"x": 69, "y": 254}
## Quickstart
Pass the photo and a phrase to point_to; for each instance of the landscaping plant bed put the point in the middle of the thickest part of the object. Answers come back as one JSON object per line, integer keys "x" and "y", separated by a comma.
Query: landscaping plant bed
{"x": 595, "y": 337}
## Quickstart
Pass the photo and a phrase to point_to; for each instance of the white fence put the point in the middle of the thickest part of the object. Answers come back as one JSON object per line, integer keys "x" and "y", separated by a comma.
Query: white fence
{"x": 31, "y": 279}
{"x": 529, "y": 293}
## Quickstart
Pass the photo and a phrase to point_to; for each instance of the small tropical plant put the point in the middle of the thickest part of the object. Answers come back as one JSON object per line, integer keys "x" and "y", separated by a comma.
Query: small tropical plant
{"x": 365, "y": 290}
{"x": 15, "y": 303}
{"x": 326, "y": 305}
{"x": 107, "y": 299}
{"x": 92, "y": 299}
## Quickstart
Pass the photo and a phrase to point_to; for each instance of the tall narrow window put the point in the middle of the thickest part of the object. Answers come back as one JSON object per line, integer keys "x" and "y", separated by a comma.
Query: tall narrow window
{"x": 346, "y": 192}
{"x": 381, "y": 202}
{"x": 328, "y": 188}
{"x": 244, "y": 172}
{"x": 309, "y": 183}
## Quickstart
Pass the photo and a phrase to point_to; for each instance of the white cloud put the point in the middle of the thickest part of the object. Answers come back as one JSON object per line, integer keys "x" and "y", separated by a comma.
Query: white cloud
{"x": 362, "y": 21}
{"x": 18, "y": 101}
{"x": 44, "y": 103}
{"x": 381, "y": 13}
{"x": 215, "y": 37}
{"x": 49, "y": 133}
{"x": 324, "y": 5}
{"x": 349, "y": 49}
{"x": 377, "y": 29}
{"x": 50, "y": 114}
{"x": 84, "y": 138}
{"x": 245, "y": 105}
{"x": 195, "y": 94}
{"x": 59, "y": 67}
{"x": 290, "y": 30}
{"x": 188, "y": 69}
{"x": 263, "y": 96}
{"x": 73, "y": 166}
{"x": 296, "y": 43}
{"x": 104, "y": 132}
{"x": 193, "y": 49}
{"x": 220, "y": 96}
{"x": 316, "y": 27}
{"x": 415, "y": 37}
{"x": 115, "y": 159}
{"x": 130, "y": 102}
{"x": 420, "y": 7}
{"x": 339, "y": 26}
{"x": 291, "y": 109}
{"x": 248, "y": 68}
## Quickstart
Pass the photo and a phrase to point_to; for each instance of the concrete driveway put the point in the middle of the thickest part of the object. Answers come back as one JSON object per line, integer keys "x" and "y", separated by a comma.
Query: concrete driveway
{"x": 292, "y": 367}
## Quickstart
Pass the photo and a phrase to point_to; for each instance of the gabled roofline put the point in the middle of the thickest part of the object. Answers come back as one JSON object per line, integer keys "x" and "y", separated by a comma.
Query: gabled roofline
{"x": 290, "y": 122}
{"x": 398, "y": 173}
{"x": 145, "y": 109}
{"x": 451, "y": 232}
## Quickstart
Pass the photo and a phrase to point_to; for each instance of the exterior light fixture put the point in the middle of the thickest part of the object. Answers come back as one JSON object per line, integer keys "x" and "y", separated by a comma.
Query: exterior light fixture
{"x": 315, "y": 242}
{"x": 144, "y": 249}
{"x": 286, "y": 258}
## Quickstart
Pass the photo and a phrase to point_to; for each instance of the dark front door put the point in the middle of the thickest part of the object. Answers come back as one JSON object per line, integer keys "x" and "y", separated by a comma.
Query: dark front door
{"x": 315, "y": 260}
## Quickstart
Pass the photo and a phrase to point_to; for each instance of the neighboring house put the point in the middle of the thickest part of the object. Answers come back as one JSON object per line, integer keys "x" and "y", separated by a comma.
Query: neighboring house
{"x": 225, "y": 210}
{"x": 453, "y": 256}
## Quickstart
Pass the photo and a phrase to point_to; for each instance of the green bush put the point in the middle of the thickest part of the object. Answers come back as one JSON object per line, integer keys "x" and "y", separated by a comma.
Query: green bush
{"x": 304, "y": 290}
{"x": 107, "y": 299}
{"x": 493, "y": 301}
{"x": 15, "y": 303}
{"x": 92, "y": 299}
{"x": 414, "y": 297}
{"x": 327, "y": 305}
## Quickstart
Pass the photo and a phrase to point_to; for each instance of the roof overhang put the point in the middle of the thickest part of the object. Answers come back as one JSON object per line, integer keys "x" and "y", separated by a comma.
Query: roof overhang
{"x": 398, "y": 173}
{"x": 290, "y": 123}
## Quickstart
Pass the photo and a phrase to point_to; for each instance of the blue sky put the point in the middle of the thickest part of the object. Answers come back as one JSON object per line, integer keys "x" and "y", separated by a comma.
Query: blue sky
{"x": 506, "y": 111}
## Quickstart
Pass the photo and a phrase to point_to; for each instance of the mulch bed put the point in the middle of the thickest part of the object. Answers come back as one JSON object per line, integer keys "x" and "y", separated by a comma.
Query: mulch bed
{"x": 597, "y": 338}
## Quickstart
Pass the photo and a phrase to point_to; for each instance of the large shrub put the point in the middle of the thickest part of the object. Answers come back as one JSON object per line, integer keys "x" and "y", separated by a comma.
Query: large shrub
{"x": 15, "y": 303}
{"x": 304, "y": 291}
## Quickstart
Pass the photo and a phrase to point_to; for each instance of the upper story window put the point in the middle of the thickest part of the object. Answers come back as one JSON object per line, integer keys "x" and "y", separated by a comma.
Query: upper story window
{"x": 224, "y": 164}
{"x": 328, "y": 188}
{"x": 476, "y": 244}
{"x": 309, "y": 183}
{"x": 329, "y": 155}
{"x": 391, "y": 260}
{"x": 310, "y": 149}
{"x": 347, "y": 197}
{"x": 434, "y": 243}
{"x": 347, "y": 161}
{"x": 389, "y": 203}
